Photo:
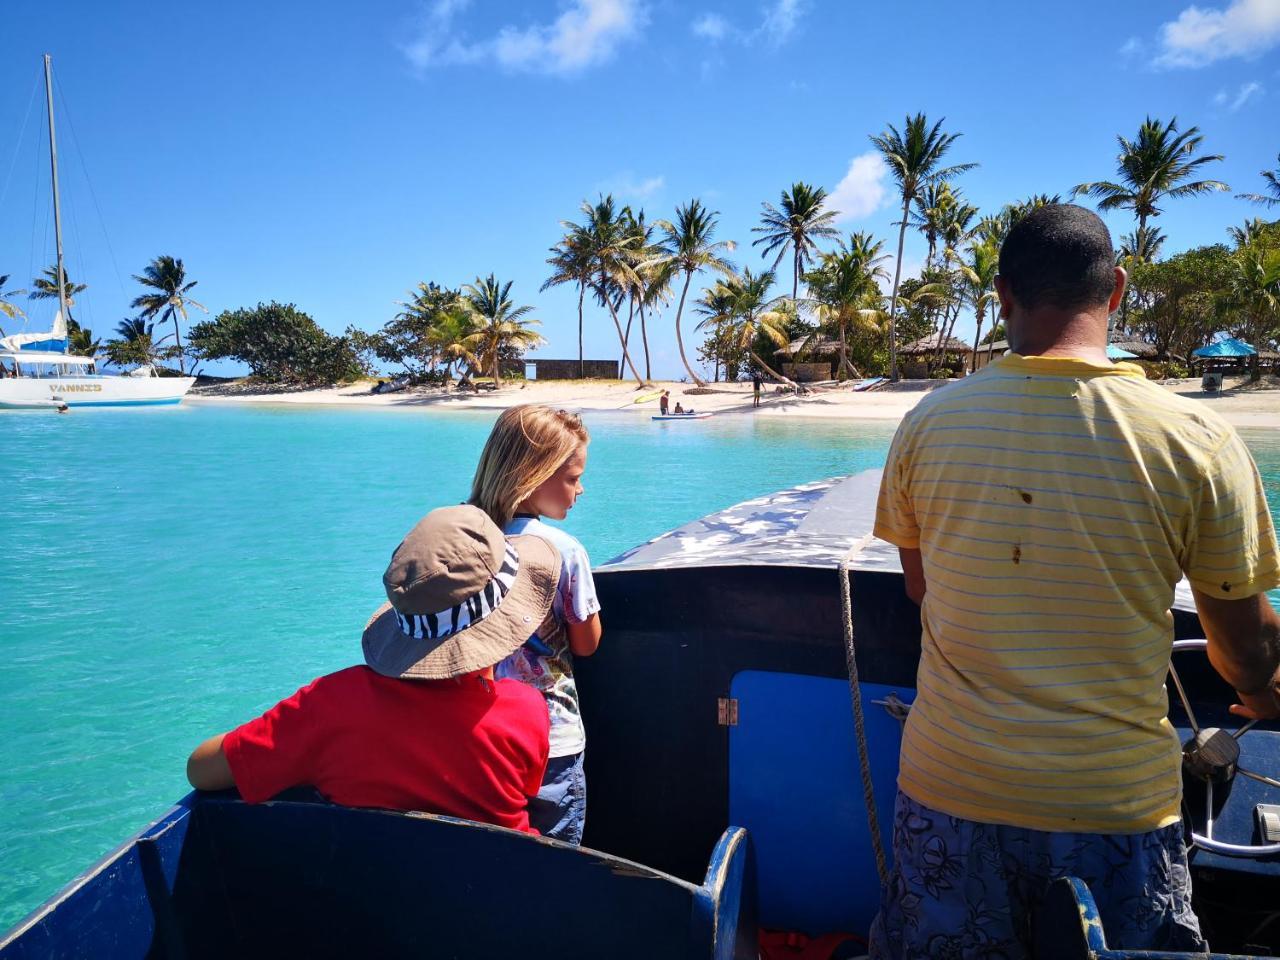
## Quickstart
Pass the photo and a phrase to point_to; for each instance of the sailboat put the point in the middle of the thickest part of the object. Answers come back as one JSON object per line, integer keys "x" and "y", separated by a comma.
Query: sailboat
{"x": 36, "y": 369}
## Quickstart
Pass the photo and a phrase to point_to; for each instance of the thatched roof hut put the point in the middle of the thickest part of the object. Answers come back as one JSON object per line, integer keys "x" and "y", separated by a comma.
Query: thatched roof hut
{"x": 929, "y": 344}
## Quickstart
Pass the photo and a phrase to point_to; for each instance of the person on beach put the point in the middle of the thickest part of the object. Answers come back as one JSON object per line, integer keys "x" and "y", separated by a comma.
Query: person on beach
{"x": 1044, "y": 509}
{"x": 756, "y": 383}
{"x": 424, "y": 724}
{"x": 664, "y": 402}
{"x": 532, "y": 467}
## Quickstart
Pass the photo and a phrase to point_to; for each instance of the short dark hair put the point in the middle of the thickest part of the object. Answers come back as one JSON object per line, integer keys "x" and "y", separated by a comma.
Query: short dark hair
{"x": 1059, "y": 255}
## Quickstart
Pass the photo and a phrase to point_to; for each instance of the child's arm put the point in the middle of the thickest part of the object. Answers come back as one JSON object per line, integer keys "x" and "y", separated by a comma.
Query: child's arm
{"x": 207, "y": 767}
{"x": 584, "y": 637}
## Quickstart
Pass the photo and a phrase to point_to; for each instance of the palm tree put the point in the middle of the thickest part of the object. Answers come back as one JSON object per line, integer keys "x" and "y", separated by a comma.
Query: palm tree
{"x": 1272, "y": 180}
{"x": 168, "y": 277}
{"x": 1141, "y": 246}
{"x": 914, "y": 157}
{"x": 716, "y": 306}
{"x": 978, "y": 282}
{"x": 997, "y": 226}
{"x": 498, "y": 323}
{"x": 7, "y": 307}
{"x": 933, "y": 208}
{"x": 645, "y": 273}
{"x": 133, "y": 343}
{"x": 1253, "y": 292}
{"x": 796, "y": 225}
{"x": 687, "y": 248}
{"x": 46, "y": 288}
{"x": 1159, "y": 163}
{"x": 80, "y": 341}
{"x": 448, "y": 337}
{"x": 753, "y": 313}
{"x": 614, "y": 253}
{"x": 570, "y": 262}
{"x": 1251, "y": 231}
{"x": 845, "y": 290}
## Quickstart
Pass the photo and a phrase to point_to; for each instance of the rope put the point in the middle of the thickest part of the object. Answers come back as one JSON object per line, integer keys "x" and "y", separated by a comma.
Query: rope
{"x": 859, "y": 722}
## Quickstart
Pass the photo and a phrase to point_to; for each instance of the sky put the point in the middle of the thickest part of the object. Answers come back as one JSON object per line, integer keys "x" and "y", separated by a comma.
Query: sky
{"x": 333, "y": 155}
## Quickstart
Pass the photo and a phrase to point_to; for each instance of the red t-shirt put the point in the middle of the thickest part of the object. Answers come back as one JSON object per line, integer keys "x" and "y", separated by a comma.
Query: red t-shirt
{"x": 469, "y": 748}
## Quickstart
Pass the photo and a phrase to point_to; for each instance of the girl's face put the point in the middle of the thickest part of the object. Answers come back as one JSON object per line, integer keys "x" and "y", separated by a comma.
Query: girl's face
{"x": 557, "y": 495}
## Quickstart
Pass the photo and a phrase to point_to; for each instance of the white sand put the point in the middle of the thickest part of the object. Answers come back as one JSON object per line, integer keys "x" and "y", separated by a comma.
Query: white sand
{"x": 1240, "y": 404}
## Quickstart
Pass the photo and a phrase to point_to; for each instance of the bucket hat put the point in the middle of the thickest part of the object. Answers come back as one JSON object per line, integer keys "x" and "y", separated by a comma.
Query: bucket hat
{"x": 461, "y": 597}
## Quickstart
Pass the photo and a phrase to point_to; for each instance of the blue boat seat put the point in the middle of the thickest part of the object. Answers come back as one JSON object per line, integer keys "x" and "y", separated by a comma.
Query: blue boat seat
{"x": 217, "y": 877}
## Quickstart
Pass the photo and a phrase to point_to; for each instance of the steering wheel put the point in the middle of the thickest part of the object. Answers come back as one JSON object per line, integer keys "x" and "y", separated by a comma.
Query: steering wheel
{"x": 1212, "y": 755}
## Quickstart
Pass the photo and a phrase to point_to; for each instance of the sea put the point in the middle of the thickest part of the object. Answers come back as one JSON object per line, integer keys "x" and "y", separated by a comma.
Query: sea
{"x": 168, "y": 573}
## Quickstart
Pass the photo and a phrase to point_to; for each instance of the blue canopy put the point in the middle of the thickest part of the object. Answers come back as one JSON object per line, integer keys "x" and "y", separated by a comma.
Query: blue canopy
{"x": 1118, "y": 353}
{"x": 1231, "y": 347}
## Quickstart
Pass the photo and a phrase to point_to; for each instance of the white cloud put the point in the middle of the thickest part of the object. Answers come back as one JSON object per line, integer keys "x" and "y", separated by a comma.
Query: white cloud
{"x": 1244, "y": 28}
{"x": 1247, "y": 92}
{"x": 711, "y": 26}
{"x": 627, "y": 186}
{"x": 1133, "y": 47}
{"x": 1221, "y": 97}
{"x": 862, "y": 191}
{"x": 585, "y": 34}
{"x": 778, "y": 21}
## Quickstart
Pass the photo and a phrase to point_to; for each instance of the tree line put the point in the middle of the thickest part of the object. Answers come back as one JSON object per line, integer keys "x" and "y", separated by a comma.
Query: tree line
{"x": 636, "y": 269}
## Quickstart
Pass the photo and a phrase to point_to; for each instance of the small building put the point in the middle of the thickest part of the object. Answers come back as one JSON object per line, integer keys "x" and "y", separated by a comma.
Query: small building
{"x": 809, "y": 359}
{"x": 1229, "y": 355}
{"x": 987, "y": 352}
{"x": 917, "y": 357}
{"x": 540, "y": 368}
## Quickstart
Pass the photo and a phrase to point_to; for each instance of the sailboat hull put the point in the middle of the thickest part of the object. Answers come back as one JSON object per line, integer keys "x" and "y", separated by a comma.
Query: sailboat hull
{"x": 92, "y": 391}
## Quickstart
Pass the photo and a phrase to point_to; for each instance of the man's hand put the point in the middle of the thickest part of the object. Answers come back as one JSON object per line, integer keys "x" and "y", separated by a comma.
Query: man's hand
{"x": 1244, "y": 647}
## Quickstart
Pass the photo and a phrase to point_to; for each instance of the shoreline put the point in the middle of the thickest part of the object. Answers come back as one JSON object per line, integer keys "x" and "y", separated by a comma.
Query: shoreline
{"x": 1256, "y": 407}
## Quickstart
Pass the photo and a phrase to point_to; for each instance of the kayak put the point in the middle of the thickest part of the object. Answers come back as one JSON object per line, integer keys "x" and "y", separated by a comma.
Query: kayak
{"x": 646, "y": 397}
{"x": 681, "y": 416}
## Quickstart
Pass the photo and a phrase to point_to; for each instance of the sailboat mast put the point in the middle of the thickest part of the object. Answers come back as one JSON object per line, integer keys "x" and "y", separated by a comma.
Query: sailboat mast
{"x": 57, "y": 204}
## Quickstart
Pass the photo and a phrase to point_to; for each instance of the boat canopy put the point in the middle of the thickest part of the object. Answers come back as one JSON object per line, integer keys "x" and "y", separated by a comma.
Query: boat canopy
{"x": 53, "y": 341}
{"x": 812, "y": 525}
{"x": 46, "y": 356}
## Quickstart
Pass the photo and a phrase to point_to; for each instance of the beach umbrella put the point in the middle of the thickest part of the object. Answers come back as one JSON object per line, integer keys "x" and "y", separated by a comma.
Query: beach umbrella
{"x": 1230, "y": 347}
{"x": 1118, "y": 353}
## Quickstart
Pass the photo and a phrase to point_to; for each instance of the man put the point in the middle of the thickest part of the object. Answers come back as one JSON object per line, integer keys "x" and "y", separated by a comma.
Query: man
{"x": 1045, "y": 508}
{"x": 424, "y": 726}
{"x": 664, "y": 403}
{"x": 755, "y": 387}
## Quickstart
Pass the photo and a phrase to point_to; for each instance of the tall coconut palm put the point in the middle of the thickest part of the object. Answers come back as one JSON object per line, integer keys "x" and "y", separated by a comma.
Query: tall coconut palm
{"x": 498, "y": 323}
{"x": 796, "y": 224}
{"x": 1253, "y": 294}
{"x": 914, "y": 157}
{"x": 637, "y": 290}
{"x": 933, "y": 209}
{"x": 614, "y": 252}
{"x": 978, "y": 284}
{"x": 46, "y": 288}
{"x": 1141, "y": 246}
{"x": 7, "y": 306}
{"x": 689, "y": 247}
{"x": 1158, "y": 164}
{"x": 716, "y": 306}
{"x": 168, "y": 278}
{"x": 1251, "y": 231}
{"x": 1272, "y": 180}
{"x": 844, "y": 290}
{"x": 570, "y": 262}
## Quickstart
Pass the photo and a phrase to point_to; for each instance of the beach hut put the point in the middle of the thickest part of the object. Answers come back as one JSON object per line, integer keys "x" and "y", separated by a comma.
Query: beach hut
{"x": 918, "y": 356}
{"x": 808, "y": 359}
{"x": 989, "y": 352}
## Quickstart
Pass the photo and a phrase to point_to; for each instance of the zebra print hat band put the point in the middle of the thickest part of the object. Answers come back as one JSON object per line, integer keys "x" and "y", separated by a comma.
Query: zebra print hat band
{"x": 473, "y": 610}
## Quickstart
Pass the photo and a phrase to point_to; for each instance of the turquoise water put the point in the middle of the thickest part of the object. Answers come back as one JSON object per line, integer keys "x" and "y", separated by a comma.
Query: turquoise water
{"x": 169, "y": 573}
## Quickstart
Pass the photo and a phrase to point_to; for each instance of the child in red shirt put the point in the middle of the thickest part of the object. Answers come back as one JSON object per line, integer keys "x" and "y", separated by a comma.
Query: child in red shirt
{"x": 424, "y": 725}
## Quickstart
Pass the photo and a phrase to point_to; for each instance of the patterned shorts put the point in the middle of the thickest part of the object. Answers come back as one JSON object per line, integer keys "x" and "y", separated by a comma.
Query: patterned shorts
{"x": 960, "y": 889}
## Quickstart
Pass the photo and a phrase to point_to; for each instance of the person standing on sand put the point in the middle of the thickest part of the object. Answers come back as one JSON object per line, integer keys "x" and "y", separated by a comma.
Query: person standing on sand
{"x": 1044, "y": 509}
{"x": 664, "y": 402}
{"x": 755, "y": 387}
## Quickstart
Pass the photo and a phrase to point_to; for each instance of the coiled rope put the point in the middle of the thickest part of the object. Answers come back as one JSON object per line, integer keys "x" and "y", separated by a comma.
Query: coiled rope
{"x": 859, "y": 721}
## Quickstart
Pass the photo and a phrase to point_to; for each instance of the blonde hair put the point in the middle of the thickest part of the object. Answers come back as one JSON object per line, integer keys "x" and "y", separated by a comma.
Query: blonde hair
{"x": 528, "y": 444}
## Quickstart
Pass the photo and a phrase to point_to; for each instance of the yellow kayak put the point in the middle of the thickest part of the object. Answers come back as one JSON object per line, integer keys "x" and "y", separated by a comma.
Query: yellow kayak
{"x": 646, "y": 397}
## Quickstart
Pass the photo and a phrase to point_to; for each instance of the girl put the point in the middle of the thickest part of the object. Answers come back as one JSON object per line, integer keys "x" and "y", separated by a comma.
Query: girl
{"x": 532, "y": 468}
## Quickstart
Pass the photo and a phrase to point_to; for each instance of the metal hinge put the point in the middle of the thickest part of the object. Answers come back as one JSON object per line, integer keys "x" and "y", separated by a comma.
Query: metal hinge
{"x": 727, "y": 711}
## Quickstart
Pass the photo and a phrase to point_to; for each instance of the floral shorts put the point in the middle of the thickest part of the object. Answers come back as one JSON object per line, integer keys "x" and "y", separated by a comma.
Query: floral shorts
{"x": 960, "y": 889}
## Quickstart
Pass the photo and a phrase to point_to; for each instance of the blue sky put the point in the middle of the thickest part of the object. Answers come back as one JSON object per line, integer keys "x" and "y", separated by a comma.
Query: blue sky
{"x": 334, "y": 154}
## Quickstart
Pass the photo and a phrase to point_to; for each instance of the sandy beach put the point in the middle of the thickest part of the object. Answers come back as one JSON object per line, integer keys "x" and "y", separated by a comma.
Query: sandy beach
{"x": 1242, "y": 404}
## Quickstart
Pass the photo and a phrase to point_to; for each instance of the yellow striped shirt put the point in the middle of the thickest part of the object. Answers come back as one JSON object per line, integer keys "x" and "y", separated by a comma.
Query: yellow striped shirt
{"x": 1056, "y": 503}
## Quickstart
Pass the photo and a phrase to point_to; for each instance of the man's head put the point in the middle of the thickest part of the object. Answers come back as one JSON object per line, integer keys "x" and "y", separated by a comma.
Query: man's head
{"x": 1057, "y": 277}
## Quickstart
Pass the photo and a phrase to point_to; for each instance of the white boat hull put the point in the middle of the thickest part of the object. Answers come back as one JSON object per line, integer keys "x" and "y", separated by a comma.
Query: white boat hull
{"x": 92, "y": 391}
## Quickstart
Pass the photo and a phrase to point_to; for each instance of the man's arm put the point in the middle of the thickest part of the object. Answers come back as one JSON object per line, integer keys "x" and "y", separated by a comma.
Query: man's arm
{"x": 207, "y": 767}
{"x": 913, "y": 572}
{"x": 1244, "y": 647}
